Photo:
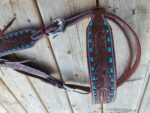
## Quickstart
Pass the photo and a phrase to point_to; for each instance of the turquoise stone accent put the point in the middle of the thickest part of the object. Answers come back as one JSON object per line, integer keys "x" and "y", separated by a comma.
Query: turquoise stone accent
{"x": 108, "y": 39}
{"x": 27, "y": 45}
{"x": 93, "y": 78}
{"x": 16, "y": 34}
{"x": 90, "y": 40}
{"x": 91, "y": 59}
{"x": 90, "y": 32}
{"x": 109, "y": 49}
{"x": 10, "y": 35}
{"x": 6, "y": 37}
{"x": 111, "y": 94}
{"x": 21, "y": 32}
{"x": 111, "y": 70}
{"x": 107, "y": 31}
{"x": 90, "y": 24}
{"x": 13, "y": 49}
{"x": 95, "y": 93}
{"x": 111, "y": 79}
{"x": 105, "y": 23}
{"x": 32, "y": 43}
{"x": 110, "y": 60}
{"x": 112, "y": 88}
{"x": 91, "y": 49}
{"x": 92, "y": 68}
{"x": 33, "y": 31}
{"x": 94, "y": 86}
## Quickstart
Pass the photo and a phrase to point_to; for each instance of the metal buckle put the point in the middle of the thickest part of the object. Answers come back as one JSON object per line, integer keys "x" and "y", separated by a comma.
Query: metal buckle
{"x": 62, "y": 25}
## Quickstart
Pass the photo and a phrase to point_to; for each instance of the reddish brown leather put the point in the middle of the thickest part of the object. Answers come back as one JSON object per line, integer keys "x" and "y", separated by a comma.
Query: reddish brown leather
{"x": 24, "y": 68}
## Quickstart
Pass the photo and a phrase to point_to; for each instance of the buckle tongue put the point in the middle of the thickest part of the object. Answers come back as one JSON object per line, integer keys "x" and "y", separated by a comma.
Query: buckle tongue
{"x": 62, "y": 25}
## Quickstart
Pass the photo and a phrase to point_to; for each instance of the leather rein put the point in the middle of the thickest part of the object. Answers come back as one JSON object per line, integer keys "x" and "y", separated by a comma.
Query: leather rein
{"x": 27, "y": 38}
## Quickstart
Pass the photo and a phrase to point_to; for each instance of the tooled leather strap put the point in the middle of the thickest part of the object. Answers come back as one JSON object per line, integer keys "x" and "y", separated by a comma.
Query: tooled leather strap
{"x": 27, "y": 38}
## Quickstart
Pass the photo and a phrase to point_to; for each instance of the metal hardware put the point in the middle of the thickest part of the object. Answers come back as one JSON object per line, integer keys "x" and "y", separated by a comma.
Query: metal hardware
{"x": 62, "y": 25}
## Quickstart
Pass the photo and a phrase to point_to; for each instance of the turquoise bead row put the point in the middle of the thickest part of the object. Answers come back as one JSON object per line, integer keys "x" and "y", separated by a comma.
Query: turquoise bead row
{"x": 15, "y": 35}
{"x": 18, "y": 33}
{"x": 18, "y": 48}
{"x": 109, "y": 49}
{"x": 91, "y": 59}
{"x": 110, "y": 59}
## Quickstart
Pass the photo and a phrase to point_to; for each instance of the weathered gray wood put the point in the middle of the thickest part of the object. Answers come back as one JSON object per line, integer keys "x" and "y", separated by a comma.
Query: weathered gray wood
{"x": 32, "y": 95}
{"x": 143, "y": 18}
{"x": 2, "y": 109}
{"x": 136, "y": 14}
{"x": 9, "y": 9}
{"x": 143, "y": 105}
{"x": 69, "y": 47}
{"x": 23, "y": 91}
{"x": 8, "y": 101}
{"x": 31, "y": 92}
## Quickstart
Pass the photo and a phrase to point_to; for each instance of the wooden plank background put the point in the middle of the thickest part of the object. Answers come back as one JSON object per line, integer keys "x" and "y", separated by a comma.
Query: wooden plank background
{"x": 65, "y": 58}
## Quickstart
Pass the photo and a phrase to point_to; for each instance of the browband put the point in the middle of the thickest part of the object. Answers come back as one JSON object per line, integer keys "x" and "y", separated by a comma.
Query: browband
{"x": 100, "y": 53}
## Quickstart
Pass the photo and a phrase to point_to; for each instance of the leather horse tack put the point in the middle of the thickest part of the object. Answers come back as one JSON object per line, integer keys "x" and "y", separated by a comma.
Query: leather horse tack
{"x": 100, "y": 53}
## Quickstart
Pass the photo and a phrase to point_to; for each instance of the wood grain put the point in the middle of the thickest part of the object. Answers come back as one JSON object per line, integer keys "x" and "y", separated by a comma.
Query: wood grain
{"x": 8, "y": 100}
{"x": 69, "y": 47}
{"x": 129, "y": 95}
{"x": 28, "y": 91}
{"x": 64, "y": 57}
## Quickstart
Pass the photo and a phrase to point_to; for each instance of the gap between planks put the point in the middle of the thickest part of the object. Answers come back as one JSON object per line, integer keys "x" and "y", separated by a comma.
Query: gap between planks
{"x": 145, "y": 85}
{"x": 37, "y": 6}
{"x": 12, "y": 92}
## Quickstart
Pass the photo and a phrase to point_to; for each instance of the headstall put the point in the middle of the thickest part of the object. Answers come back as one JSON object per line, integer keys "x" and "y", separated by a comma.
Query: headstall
{"x": 100, "y": 53}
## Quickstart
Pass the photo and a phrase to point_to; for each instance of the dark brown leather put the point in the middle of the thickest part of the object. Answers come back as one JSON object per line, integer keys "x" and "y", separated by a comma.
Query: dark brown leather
{"x": 26, "y": 38}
